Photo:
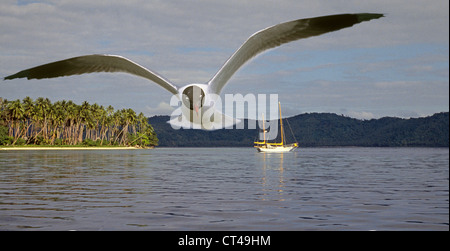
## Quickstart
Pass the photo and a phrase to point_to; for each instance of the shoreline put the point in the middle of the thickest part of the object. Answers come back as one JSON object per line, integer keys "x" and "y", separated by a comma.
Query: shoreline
{"x": 70, "y": 148}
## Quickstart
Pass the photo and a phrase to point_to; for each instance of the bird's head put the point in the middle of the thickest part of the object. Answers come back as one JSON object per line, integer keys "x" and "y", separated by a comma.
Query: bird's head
{"x": 193, "y": 97}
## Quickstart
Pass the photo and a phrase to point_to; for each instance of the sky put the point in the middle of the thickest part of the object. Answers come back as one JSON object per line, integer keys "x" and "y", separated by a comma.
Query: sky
{"x": 394, "y": 66}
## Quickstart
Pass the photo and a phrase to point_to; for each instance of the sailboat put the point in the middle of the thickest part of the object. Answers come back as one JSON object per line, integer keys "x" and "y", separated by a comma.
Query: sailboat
{"x": 264, "y": 146}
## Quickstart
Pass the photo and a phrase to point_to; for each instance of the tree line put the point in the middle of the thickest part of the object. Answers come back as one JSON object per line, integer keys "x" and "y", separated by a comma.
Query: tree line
{"x": 320, "y": 129}
{"x": 41, "y": 122}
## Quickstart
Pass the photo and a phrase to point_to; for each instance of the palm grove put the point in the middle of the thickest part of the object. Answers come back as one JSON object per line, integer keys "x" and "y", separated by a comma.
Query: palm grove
{"x": 42, "y": 122}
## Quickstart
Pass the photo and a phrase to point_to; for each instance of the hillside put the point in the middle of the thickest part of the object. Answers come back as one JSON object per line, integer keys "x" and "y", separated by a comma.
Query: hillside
{"x": 320, "y": 129}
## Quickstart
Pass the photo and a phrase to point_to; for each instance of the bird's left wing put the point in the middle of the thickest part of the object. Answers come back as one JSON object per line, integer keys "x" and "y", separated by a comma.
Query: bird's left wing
{"x": 90, "y": 64}
{"x": 280, "y": 34}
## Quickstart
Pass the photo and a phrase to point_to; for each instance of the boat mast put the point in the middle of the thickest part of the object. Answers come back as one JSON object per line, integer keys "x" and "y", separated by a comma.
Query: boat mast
{"x": 264, "y": 129}
{"x": 281, "y": 124}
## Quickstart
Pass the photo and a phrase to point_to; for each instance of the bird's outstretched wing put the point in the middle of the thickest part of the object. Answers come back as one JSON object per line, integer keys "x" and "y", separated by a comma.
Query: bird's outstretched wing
{"x": 280, "y": 34}
{"x": 90, "y": 64}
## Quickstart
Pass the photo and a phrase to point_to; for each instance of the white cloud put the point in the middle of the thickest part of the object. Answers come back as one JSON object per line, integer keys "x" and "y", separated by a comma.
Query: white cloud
{"x": 361, "y": 115}
{"x": 163, "y": 108}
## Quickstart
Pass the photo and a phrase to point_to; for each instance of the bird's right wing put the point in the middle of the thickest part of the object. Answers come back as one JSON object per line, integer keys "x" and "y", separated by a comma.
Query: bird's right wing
{"x": 280, "y": 34}
{"x": 90, "y": 64}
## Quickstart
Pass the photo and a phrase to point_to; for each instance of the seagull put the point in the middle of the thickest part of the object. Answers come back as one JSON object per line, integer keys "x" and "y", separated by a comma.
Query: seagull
{"x": 199, "y": 99}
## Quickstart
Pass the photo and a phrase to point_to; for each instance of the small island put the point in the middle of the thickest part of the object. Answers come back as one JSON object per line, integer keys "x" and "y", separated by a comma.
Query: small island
{"x": 41, "y": 124}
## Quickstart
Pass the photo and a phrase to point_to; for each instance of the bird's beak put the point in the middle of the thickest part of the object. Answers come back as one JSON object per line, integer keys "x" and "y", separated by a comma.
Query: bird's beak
{"x": 196, "y": 109}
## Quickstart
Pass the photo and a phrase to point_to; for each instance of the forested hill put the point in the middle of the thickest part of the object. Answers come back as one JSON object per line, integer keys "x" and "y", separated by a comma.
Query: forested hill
{"x": 320, "y": 129}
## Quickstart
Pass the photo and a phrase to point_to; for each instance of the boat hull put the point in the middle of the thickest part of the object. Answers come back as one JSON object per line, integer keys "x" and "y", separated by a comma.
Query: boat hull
{"x": 278, "y": 149}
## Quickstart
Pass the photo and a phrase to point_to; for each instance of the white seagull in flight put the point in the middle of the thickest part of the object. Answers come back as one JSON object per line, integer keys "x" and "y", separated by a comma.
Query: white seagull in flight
{"x": 201, "y": 97}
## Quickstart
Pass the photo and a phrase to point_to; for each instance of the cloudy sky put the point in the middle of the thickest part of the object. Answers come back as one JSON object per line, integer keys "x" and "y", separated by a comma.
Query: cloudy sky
{"x": 394, "y": 66}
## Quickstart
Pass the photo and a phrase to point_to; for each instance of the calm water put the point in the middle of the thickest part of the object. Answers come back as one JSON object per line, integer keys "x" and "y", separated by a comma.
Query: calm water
{"x": 225, "y": 189}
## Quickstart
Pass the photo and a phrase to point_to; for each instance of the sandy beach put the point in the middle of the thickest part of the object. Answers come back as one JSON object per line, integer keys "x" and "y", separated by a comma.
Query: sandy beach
{"x": 68, "y": 148}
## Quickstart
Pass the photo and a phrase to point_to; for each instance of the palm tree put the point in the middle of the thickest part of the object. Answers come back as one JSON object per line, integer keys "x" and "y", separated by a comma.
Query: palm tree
{"x": 17, "y": 112}
{"x": 83, "y": 118}
{"x": 116, "y": 119}
{"x": 58, "y": 119}
{"x": 97, "y": 112}
{"x": 102, "y": 124}
{"x": 123, "y": 120}
{"x": 4, "y": 112}
{"x": 28, "y": 106}
{"x": 142, "y": 122}
{"x": 69, "y": 133}
{"x": 42, "y": 111}
{"x": 105, "y": 123}
{"x": 132, "y": 120}
{"x": 43, "y": 122}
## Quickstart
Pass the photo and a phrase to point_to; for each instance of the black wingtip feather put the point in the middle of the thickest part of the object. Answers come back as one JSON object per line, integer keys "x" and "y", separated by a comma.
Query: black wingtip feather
{"x": 21, "y": 74}
{"x": 369, "y": 16}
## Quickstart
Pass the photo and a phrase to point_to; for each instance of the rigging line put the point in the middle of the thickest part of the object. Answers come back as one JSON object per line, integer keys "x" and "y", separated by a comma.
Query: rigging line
{"x": 290, "y": 128}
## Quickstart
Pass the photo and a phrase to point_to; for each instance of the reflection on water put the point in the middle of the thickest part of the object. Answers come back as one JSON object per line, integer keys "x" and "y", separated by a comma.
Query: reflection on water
{"x": 272, "y": 178}
{"x": 225, "y": 189}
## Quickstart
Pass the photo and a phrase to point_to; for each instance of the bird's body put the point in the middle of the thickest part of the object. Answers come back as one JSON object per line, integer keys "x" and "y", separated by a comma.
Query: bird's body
{"x": 198, "y": 99}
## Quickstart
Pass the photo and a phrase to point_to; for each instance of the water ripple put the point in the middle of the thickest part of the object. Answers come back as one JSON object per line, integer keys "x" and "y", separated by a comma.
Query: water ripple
{"x": 225, "y": 189}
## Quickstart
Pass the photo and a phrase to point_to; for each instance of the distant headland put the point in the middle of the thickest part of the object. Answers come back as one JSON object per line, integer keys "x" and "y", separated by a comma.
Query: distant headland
{"x": 321, "y": 129}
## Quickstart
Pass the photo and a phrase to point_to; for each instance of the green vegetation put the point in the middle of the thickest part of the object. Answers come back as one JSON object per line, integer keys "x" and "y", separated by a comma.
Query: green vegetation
{"x": 326, "y": 129}
{"x": 64, "y": 123}
{"x": 40, "y": 122}
{"x": 321, "y": 129}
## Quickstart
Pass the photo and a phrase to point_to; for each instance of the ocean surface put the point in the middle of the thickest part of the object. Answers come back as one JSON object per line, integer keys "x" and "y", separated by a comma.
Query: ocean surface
{"x": 225, "y": 189}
